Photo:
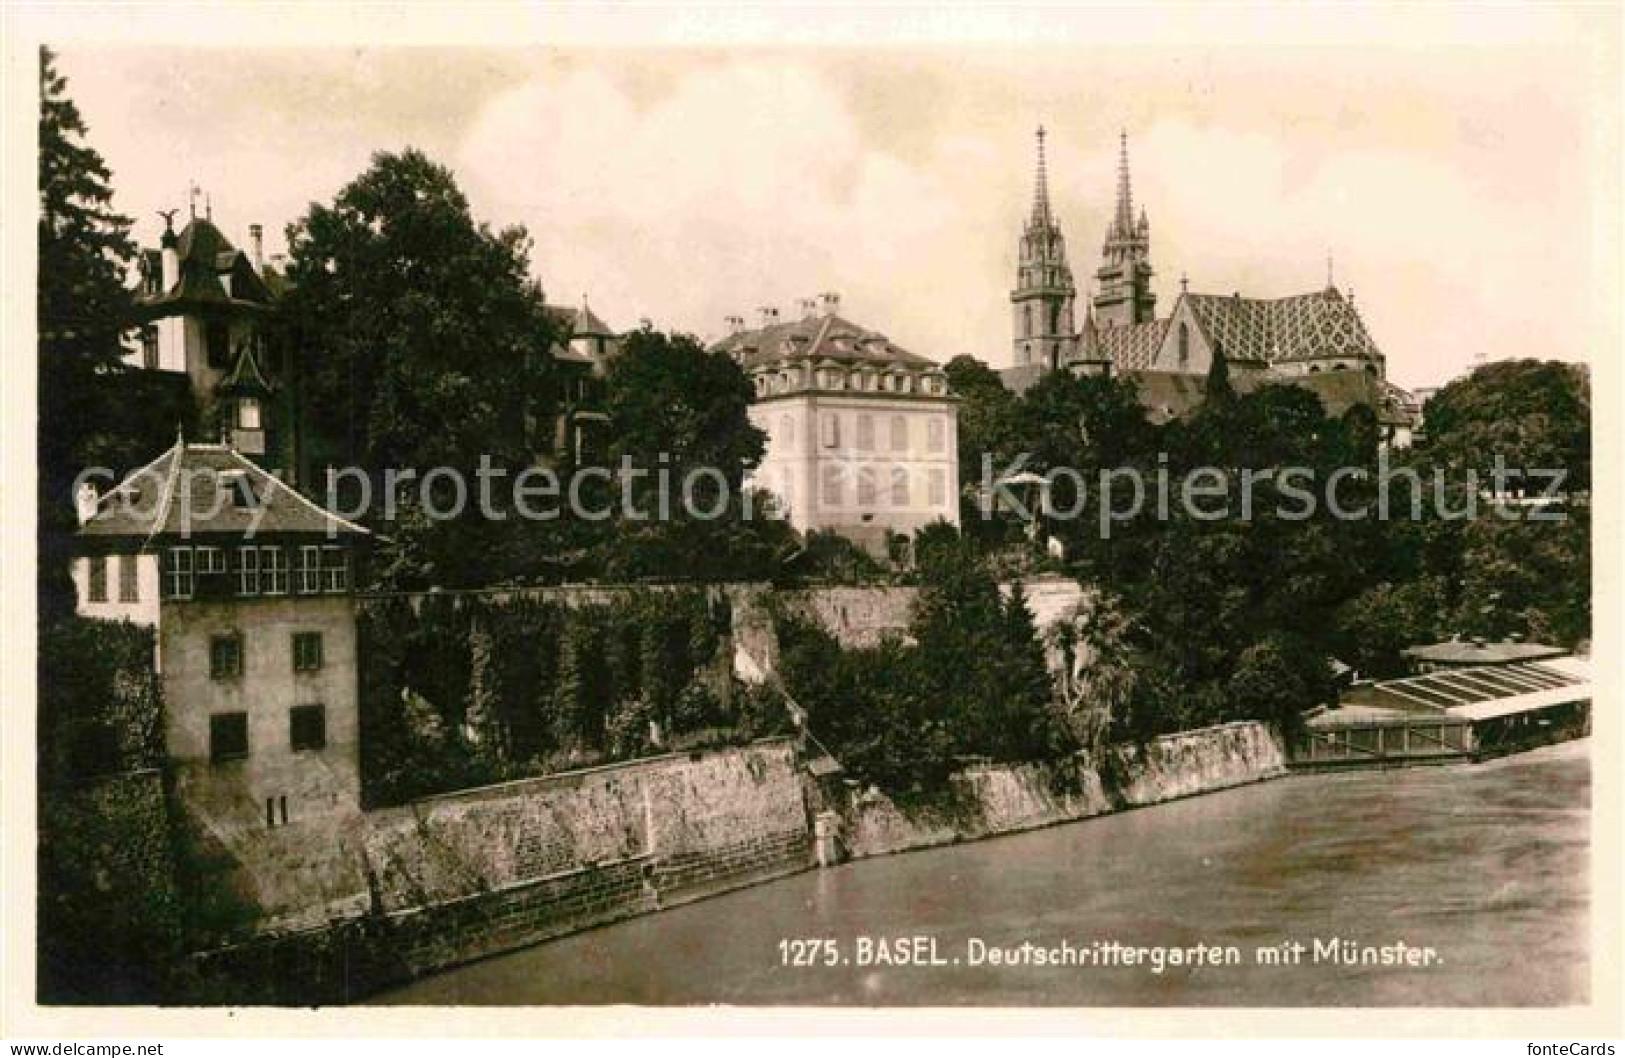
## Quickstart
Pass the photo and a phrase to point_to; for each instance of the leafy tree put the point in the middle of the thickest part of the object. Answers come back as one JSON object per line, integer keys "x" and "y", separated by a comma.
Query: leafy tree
{"x": 989, "y": 428}
{"x": 433, "y": 339}
{"x": 426, "y": 346}
{"x": 1277, "y": 680}
{"x": 980, "y": 661}
{"x": 1375, "y": 627}
{"x": 674, "y": 403}
{"x": 1534, "y": 414}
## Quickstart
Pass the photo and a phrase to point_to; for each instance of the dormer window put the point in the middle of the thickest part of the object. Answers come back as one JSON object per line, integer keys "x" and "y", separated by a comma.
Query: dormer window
{"x": 243, "y": 496}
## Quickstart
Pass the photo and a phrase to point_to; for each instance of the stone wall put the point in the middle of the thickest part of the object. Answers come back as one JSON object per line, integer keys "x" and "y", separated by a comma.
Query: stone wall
{"x": 449, "y": 879}
{"x": 1004, "y": 798}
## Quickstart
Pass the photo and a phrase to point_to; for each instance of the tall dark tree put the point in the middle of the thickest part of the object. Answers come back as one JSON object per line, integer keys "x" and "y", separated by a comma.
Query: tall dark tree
{"x": 425, "y": 345}
{"x": 680, "y": 425}
{"x": 83, "y": 310}
{"x": 430, "y": 339}
{"x": 674, "y": 403}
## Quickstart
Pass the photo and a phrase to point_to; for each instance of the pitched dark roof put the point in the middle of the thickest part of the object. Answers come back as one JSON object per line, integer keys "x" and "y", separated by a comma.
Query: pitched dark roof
{"x": 205, "y": 256}
{"x": 1275, "y": 330}
{"x": 823, "y": 337}
{"x": 193, "y": 489}
{"x": 575, "y": 322}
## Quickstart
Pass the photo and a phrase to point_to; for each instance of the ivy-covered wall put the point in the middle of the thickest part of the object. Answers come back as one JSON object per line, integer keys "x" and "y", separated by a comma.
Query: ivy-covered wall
{"x": 460, "y": 690}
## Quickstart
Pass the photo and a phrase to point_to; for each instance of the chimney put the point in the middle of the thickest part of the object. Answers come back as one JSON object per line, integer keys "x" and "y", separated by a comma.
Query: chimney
{"x": 736, "y": 325}
{"x": 85, "y": 501}
{"x": 809, "y": 308}
{"x": 768, "y": 315}
{"x": 831, "y": 303}
{"x": 256, "y": 238}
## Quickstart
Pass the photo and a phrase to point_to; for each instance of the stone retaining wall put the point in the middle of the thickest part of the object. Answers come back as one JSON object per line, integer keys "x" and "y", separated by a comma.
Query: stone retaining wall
{"x": 1005, "y": 798}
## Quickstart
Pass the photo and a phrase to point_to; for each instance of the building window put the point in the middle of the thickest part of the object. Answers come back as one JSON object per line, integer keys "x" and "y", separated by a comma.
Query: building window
{"x": 271, "y": 806}
{"x": 217, "y": 343}
{"x": 178, "y": 578}
{"x": 866, "y": 488}
{"x": 128, "y": 588}
{"x": 310, "y": 570}
{"x": 787, "y": 431}
{"x": 98, "y": 579}
{"x": 899, "y": 433}
{"x": 934, "y": 435}
{"x": 248, "y": 571}
{"x": 149, "y": 348}
{"x": 832, "y": 487}
{"x": 273, "y": 571}
{"x": 307, "y": 727}
{"x": 228, "y": 736}
{"x": 938, "y": 488}
{"x": 307, "y": 651}
{"x": 225, "y": 656}
{"x": 866, "y": 432}
{"x": 335, "y": 570}
{"x": 899, "y": 486}
{"x": 1184, "y": 343}
{"x": 210, "y": 560}
{"x": 248, "y": 413}
{"x": 832, "y": 430}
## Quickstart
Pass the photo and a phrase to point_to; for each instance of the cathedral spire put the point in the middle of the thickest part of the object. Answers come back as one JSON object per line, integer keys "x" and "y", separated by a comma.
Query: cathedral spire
{"x": 1043, "y": 295}
{"x": 1041, "y": 211}
{"x": 1125, "y": 193}
{"x": 1125, "y": 295}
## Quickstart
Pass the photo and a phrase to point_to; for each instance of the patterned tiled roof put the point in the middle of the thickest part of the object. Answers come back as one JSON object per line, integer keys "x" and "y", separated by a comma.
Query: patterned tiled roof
{"x": 1133, "y": 347}
{"x": 1276, "y": 330}
{"x": 825, "y": 337}
{"x": 190, "y": 490}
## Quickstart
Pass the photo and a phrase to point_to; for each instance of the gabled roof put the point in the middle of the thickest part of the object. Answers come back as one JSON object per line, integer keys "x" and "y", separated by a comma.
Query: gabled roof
{"x": 830, "y": 337}
{"x": 194, "y": 489}
{"x": 245, "y": 374}
{"x": 1274, "y": 330}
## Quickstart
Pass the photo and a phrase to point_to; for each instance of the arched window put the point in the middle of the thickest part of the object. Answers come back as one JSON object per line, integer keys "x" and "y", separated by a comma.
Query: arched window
{"x": 1184, "y": 343}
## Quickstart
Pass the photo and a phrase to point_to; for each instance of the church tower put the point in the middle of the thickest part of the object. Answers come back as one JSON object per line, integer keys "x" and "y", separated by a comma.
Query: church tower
{"x": 1042, "y": 299}
{"x": 1125, "y": 296}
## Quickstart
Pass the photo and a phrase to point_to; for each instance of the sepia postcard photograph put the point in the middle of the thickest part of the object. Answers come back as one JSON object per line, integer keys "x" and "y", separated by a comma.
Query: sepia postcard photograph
{"x": 1082, "y": 510}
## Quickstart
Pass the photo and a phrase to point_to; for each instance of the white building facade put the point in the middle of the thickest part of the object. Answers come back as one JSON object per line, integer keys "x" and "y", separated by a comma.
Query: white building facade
{"x": 862, "y": 435}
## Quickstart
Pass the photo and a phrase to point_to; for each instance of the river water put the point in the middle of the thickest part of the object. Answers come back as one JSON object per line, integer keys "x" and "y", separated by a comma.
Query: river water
{"x": 1485, "y": 864}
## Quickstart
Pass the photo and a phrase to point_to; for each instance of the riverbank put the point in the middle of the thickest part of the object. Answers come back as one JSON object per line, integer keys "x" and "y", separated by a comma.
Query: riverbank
{"x": 994, "y": 799}
{"x": 1471, "y": 860}
{"x": 461, "y": 877}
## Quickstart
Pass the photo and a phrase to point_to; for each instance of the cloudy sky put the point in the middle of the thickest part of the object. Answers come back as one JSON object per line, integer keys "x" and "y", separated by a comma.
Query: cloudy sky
{"x": 1458, "y": 182}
